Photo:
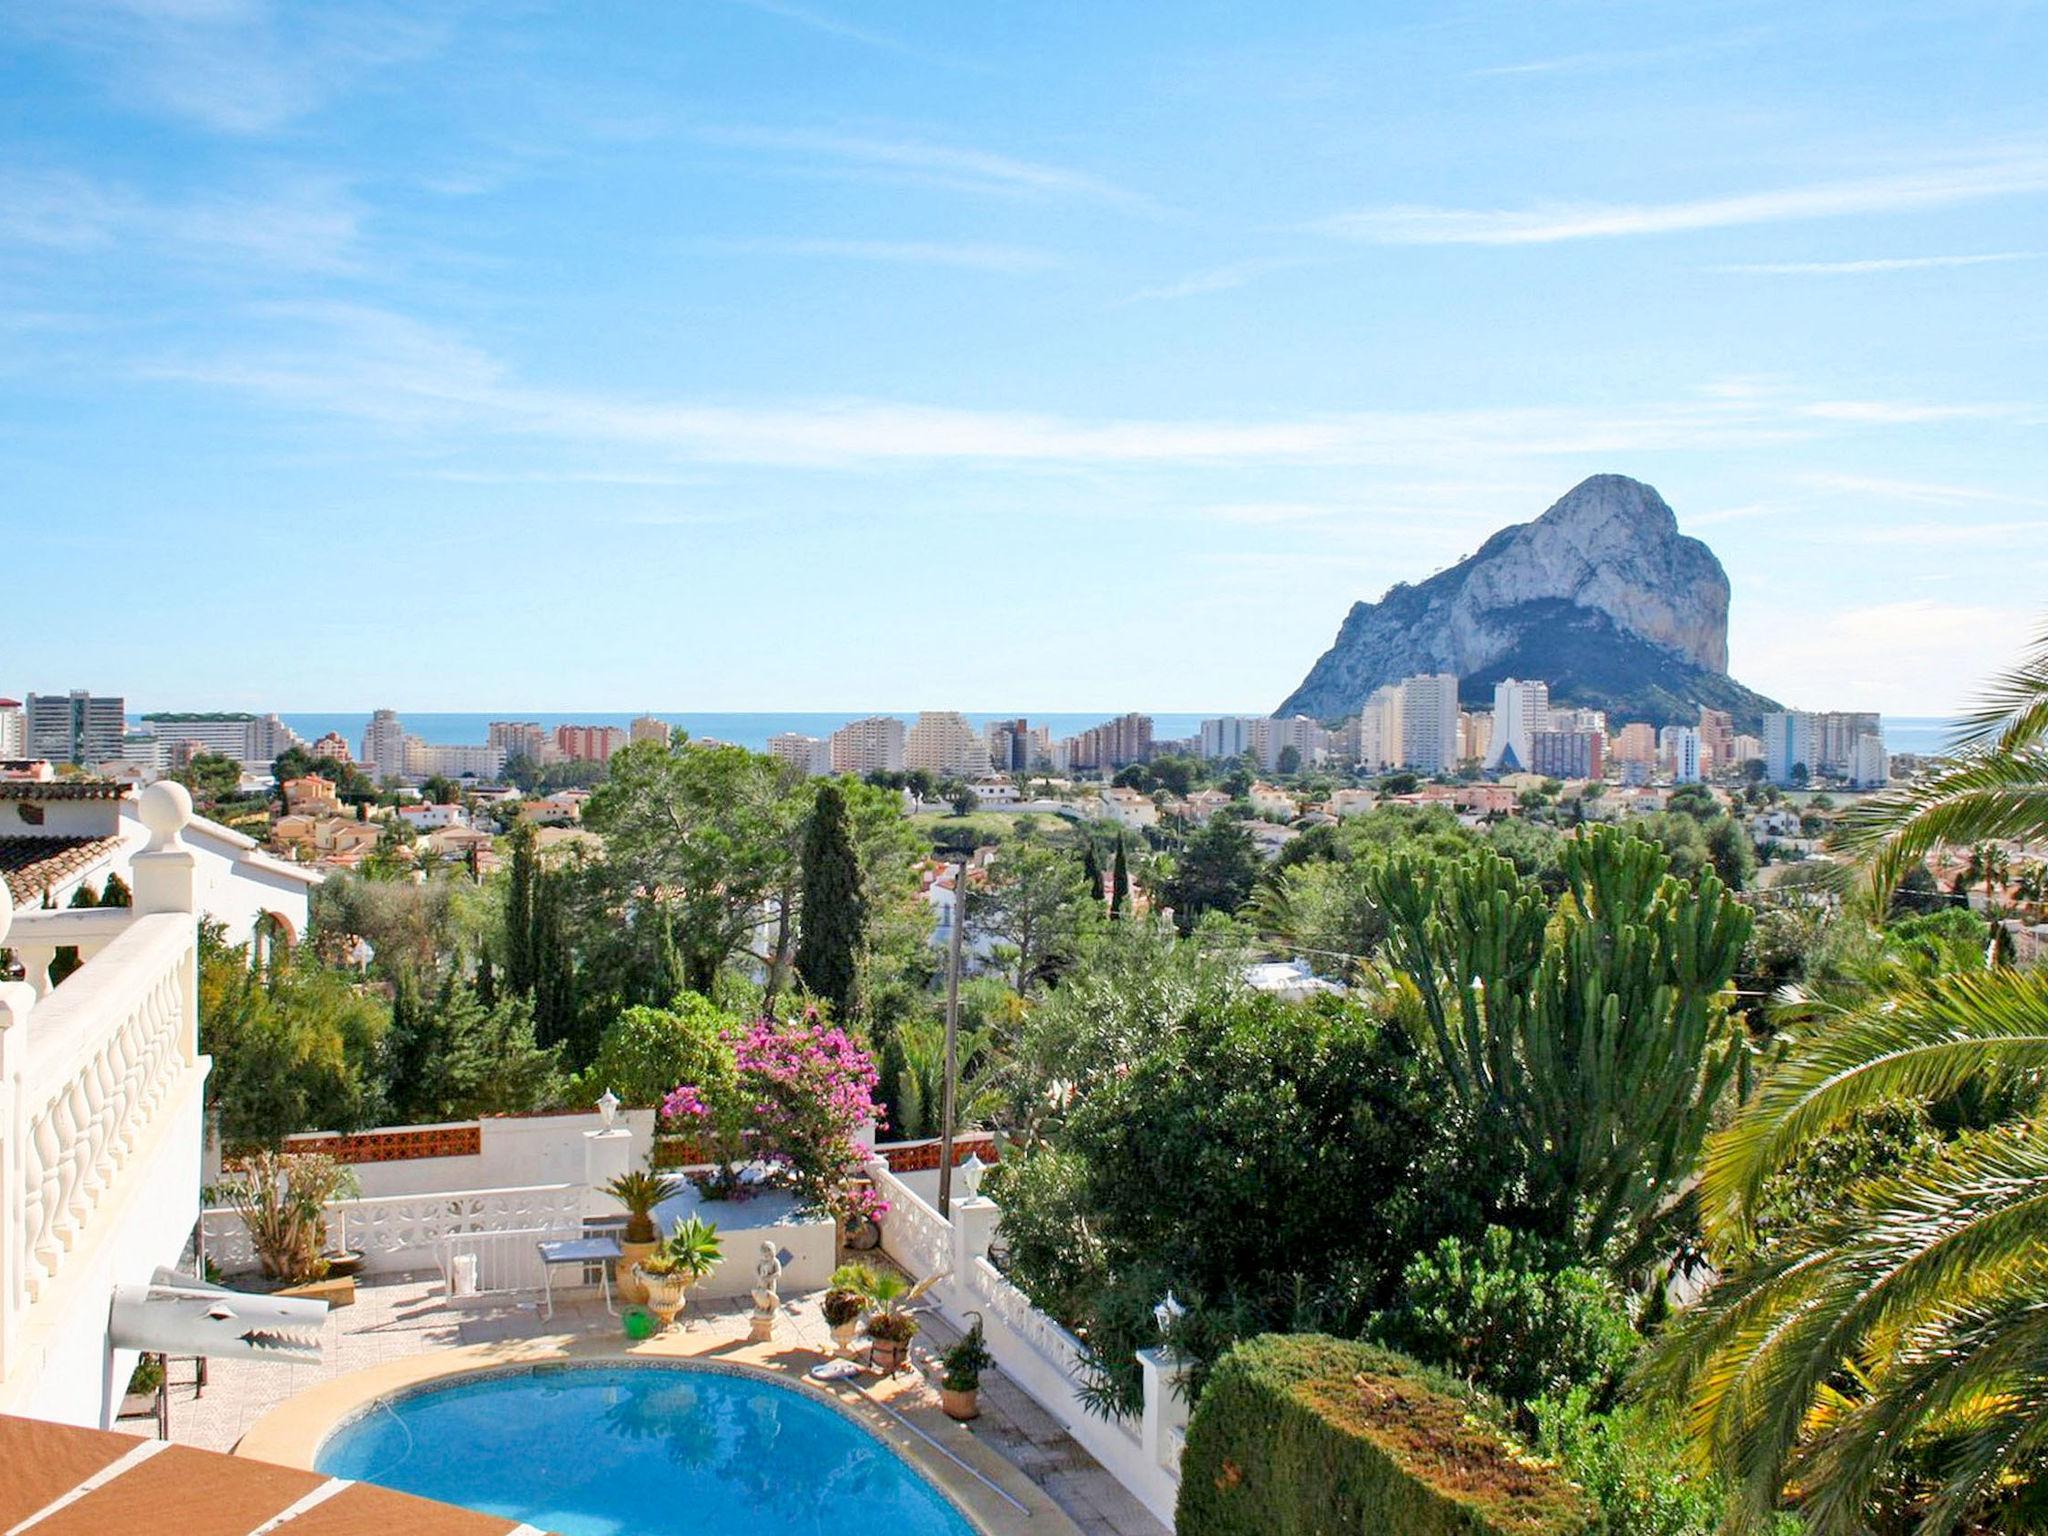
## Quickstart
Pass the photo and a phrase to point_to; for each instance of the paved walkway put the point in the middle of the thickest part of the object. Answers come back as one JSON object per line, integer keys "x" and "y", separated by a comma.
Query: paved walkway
{"x": 398, "y": 1317}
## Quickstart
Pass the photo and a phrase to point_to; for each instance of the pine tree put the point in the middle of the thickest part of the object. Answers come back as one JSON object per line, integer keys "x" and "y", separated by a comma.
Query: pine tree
{"x": 1092, "y": 868}
{"x": 486, "y": 981}
{"x": 834, "y": 910}
{"x": 554, "y": 983}
{"x": 1120, "y": 881}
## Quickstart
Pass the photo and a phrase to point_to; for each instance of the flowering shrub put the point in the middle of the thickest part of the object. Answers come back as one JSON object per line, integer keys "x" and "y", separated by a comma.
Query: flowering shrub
{"x": 802, "y": 1091}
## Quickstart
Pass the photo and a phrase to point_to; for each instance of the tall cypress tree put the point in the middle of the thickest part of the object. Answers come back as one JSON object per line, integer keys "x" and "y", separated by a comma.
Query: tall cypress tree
{"x": 1120, "y": 881}
{"x": 835, "y": 912}
{"x": 520, "y": 915}
{"x": 1092, "y": 868}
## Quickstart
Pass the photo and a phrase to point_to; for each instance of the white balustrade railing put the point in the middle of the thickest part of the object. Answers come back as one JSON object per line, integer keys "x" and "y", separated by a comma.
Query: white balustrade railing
{"x": 93, "y": 1069}
{"x": 405, "y": 1232}
{"x": 914, "y": 1234}
{"x": 1031, "y": 1349}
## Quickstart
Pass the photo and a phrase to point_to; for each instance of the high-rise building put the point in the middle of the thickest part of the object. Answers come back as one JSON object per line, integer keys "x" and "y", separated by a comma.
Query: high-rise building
{"x": 1791, "y": 746}
{"x": 13, "y": 730}
{"x": 1380, "y": 724}
{"x": 76, "y": 727}
{"x": 1839, "y": 731}
{"x": 1112, "y": 744}
{"x": 1229, "y": 735}
{"x": 942, "y": 743}
{"x": 873, "y": 745}
{"x": 332, "y": 748}
{"x": 649, "y": 728}
{"x": 383, "y": 754}
{"x": 1429, "y": 722}
{"x": 1870, "y": 764}
{"x": 1717, "y": 740}
{"x": 520, "y": 738}
{"x": 254, "y": 741}
{"x": 1747, "y": 749}
{"x": 1678, "y": 751}
{"x": 1475, "y": 735}
{"x": 1568, "y": 754}
{"x": 809, "y": 754}
{"x": 1304, "y": 735}
{"x": 449, "y": 760}
{"x": 589, "y": 743}
{"x": 1635, "y": 743}
{"x": 1009, "y": 745}
{"x": 1520, "y": 710}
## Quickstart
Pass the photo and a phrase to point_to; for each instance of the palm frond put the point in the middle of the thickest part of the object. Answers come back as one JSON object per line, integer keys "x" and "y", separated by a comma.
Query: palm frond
{"x": 2012, "y": 711}
{"x": 1921, "y": 1044}
{"x": 1876, "y": 1284}
{"x": 1985, "y": 792}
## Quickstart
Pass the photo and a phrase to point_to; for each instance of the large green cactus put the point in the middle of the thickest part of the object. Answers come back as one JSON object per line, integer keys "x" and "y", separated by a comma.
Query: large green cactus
{"x": 1591, "y": 1032}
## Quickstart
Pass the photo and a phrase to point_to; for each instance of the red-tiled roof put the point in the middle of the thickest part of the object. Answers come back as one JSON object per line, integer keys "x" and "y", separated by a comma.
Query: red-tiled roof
{"x": 135, "y": 1485}
{"x": 32, "y": 865}
{"x": 62, "y": 789}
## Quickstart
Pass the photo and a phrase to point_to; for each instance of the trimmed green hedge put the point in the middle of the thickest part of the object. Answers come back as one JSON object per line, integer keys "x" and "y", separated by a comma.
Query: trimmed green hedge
{"x": 1303, "y": 1435}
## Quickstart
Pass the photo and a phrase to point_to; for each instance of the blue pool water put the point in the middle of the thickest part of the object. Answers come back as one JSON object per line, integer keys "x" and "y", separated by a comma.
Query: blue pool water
{"x": 641, "y": 1451}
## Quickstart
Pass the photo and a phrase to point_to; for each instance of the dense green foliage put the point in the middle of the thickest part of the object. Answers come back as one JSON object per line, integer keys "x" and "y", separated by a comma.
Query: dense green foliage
{"x": 1308, "y": 1436}
{"x": 647, "y": 1051}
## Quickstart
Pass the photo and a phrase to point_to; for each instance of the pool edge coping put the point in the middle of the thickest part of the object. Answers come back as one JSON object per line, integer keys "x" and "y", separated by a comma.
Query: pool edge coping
{"x": 292, "y": 1433}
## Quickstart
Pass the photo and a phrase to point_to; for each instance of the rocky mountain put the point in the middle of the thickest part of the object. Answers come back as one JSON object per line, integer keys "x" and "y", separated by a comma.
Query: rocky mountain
{"x": 1601, "y": 596}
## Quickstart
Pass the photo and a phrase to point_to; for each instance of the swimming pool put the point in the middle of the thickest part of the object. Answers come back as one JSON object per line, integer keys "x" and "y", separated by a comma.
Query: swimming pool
{"x": 638, "y": 1450}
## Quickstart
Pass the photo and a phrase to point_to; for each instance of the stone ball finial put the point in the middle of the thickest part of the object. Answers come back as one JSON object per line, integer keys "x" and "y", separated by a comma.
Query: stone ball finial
{"x": 166, "y": 809}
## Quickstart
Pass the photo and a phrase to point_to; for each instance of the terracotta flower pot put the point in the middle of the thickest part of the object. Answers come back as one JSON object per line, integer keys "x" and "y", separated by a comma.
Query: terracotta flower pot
{"x": 888, "y": 1355}
{"x": 631, "y": 1256}
{"x": 961, "y": 1405}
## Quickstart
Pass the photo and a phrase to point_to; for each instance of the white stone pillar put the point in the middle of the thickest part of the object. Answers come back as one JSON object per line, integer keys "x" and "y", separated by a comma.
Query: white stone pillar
{"x": 1166, "y": 1407}
{"x": 974, "y": 1228}
{"x": 606, "y": 1155}
{"x": 166, "y": 872}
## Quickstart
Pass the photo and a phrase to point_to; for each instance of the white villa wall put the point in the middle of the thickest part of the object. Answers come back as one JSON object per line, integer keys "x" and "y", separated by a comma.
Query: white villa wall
{"x": 76, "y": 1378}
{"x": 517, "y": 1152}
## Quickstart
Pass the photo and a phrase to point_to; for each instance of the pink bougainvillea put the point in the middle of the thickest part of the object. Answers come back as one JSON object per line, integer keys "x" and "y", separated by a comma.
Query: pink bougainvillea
{"x": 801, "y": 1092}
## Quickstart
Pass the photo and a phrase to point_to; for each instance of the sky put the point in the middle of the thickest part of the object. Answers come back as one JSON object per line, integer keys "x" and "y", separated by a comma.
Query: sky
{"x": 814, "y": 354}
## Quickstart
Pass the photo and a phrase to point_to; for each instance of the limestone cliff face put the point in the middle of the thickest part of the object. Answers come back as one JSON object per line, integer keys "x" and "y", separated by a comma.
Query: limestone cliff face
{"x": 1605, "y": 572}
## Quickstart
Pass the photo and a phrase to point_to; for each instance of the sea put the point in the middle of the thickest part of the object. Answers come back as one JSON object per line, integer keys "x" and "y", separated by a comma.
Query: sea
{"x": 1903, "y": 733}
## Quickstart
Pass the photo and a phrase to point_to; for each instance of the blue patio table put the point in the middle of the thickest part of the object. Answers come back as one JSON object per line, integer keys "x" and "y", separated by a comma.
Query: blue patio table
{"x": 602, "y": 1251}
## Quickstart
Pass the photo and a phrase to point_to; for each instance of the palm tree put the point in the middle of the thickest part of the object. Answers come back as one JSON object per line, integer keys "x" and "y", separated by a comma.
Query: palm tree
{"x": 1888, "y": 1361}
{"x": 1993, "y": 785}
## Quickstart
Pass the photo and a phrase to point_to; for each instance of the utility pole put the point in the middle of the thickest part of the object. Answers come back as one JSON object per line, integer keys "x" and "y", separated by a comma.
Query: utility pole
{"x": 952, "y": 1038}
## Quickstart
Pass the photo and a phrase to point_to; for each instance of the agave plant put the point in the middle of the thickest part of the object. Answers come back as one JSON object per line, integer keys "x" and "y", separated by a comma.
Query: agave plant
{"x": 889, "y": 1296}
{"x": 640, "y": 1192}
{"x": 1894, "y": 1350}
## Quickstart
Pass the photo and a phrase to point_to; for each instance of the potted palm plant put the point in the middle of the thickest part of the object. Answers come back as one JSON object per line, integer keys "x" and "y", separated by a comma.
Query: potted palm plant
{"x": 960, "y": 1369}
{"x": 890, "y": 1327}
{"x": 845, "y": 1301}
{"x": 639, "y": 1193}
{"x": 687, "y": 1255}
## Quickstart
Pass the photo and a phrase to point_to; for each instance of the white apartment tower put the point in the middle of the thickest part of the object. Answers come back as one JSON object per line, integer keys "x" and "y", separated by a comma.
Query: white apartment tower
{"x": 873, "y": 745}
{"x": 943, "y": 743}
{"x": 810, "y": 754}
{"x": 13, "y": 730}
{"x": 1229, "y": 735}
{"x": 1520, "y": 710}
{"x": 76, "y": 727}
{"x": 1429, "y": 722}
{"x": 383, "y": 755}
{"x": 1380, "y": 728}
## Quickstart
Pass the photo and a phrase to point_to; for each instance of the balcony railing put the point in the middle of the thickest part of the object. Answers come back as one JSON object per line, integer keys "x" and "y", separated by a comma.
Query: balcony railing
{"x": 89, "y": 1069}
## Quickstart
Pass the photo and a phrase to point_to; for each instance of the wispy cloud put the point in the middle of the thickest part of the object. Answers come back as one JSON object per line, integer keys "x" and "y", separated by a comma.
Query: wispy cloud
{"x": 972, "y": 255}
{"x": 1600, "y": 60}
{"x": 1925, "y": 492}
{"x": 353, "y": 362}
{"x": 1221, "y": 279}
{"x": 236, "y": 66}
{"x": 1869, "y": 265}
{"x": 970, "y": 170}
{"x": 2005, "y": 175}
{"x": 1918, "y": 657}
{"x": 308, "y": 224}
{"x": 834, "y": 26}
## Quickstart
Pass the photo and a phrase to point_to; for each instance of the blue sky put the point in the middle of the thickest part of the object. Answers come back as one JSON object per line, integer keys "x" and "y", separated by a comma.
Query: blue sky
{"x": 751, "y": 354}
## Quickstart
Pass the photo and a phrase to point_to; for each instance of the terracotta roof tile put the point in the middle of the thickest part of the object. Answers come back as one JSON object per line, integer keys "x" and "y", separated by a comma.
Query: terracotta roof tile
{"x": 62, "y": 789}
{"x": 33, "y": 864}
